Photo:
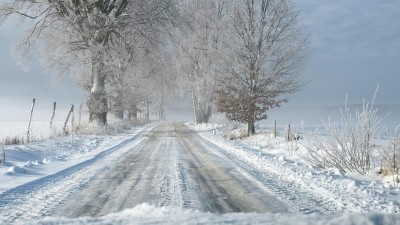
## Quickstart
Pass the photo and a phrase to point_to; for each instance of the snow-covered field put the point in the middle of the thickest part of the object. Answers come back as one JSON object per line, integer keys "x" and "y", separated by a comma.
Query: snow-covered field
{"x": 14, "y": 123}
{"x": 38, "y": 175}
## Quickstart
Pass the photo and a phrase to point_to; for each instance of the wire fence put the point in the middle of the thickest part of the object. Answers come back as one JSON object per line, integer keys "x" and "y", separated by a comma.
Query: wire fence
{"x": 302, "y": 130}
{"x": 14, "y": 122}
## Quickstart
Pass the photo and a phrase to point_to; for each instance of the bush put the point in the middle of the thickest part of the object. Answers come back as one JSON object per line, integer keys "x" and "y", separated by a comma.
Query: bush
{"x": 390, "y": 165}
{"x": 238, "y": 134}
{"x": 16, "y": 140}
{"x": 350, "y": 142}
{"x": 2, "y": 155}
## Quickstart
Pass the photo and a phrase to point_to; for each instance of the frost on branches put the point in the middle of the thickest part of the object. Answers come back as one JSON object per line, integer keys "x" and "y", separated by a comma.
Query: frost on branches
{"x": 82, "y": 38}
{"x": 265, "y": 50}
{"x": 200, "y": 47}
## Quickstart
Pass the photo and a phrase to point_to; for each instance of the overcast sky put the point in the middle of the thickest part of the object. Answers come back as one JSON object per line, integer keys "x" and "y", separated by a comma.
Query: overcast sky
{"x": 354, "y": 46}
{"x": 18, "y": 87}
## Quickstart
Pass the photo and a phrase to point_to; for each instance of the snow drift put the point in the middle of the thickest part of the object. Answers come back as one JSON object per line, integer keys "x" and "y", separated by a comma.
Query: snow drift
{"x": 147, "y": 214}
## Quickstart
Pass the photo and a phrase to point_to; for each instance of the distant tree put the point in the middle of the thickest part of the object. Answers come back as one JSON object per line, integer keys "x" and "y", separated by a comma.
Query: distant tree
{"x": 263, "y": 58}
{"x": 164, "y": 82}
{"x": 199, "y": 49}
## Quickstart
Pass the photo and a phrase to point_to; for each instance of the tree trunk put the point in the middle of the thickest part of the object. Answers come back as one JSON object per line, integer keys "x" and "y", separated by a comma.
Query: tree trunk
{"x": 119, "y": 110}
{"x": 207, "y": 113}
{"x": 161, "y": 114}
{"x": 202, "y": 109}
{"x": 133, "y": 113}
{"x": 251, "y": 130}
{"x": 97, "y": 102}
{"x": 194, "y": 99}
{"x": 147, "y": 113}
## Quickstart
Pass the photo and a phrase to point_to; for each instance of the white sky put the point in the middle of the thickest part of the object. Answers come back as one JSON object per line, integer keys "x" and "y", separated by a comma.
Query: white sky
{"x": 354, "y": 46}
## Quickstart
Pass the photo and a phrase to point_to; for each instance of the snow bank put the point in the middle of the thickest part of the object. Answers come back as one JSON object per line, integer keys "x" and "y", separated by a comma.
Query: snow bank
{"x": 29, "y": 162}
{"x": 147, "y": 214}
{"x": 292, "y": 180}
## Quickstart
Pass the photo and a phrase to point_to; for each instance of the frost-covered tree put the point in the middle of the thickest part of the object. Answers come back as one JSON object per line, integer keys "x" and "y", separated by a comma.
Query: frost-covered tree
{"x": 123, "y": 62}
{"x": 199, "y": 50}
{"x": 262, "y": 58}
{"x": 143, "y": 84}
{"x": 164, "y": 82}
{"x": 86, "y": 31}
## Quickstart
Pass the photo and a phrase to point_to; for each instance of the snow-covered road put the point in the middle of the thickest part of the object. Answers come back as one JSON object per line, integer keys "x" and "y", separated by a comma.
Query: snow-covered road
{"x": 169, "y": 165}
{"x": 165, "y": 165}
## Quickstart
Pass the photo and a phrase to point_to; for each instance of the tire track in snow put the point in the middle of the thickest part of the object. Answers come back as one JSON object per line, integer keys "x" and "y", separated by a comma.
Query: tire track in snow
{"x": 169, "y": 169}
{"x": 223, "y": 188}
{"x": 261, "y": 169}
{"x": 151, "y": 176}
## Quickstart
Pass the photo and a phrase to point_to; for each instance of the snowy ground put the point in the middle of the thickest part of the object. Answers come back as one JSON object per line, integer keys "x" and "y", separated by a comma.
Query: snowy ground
{"x": 293, "y": 179}
{"x": 171, "y": 176}
{"x": 147, "y": 214}
{"x": 26, "y": 163}
{"x": 38, "y": 176}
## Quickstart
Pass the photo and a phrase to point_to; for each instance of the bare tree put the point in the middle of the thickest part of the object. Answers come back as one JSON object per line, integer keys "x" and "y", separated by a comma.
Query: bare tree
{"x": 263, "y": 58}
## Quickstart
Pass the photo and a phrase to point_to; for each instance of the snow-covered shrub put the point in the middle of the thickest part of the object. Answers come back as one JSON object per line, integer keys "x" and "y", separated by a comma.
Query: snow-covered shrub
{"x": 111, "y": 128}
{"x": 292, "y": 137}
{"x": 2, "y": 155}
{"x": 349, "y": 143}
{"x": 16, "y": 140}
{"x": 237, "y": 134}
{"x": 391, "y": 156}
{"x": 293, "y": 146}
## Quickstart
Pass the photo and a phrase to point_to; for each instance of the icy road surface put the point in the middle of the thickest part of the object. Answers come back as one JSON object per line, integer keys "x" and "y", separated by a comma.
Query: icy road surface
{"x": 172, "y": 166}
{"x": 164, "y": 165}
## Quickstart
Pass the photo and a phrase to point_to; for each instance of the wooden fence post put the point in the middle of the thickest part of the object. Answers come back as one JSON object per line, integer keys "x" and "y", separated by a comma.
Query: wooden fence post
{"x": 66, "y": 121}
{"x": 73, "y": 122}
{"x": 54, "y": 113}
{"x": 30, "y": 120}
{"x": 275, "y": 129}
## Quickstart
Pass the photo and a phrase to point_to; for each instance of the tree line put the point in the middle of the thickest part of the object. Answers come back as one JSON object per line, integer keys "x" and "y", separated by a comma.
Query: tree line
{"x": 238, "y": 57}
